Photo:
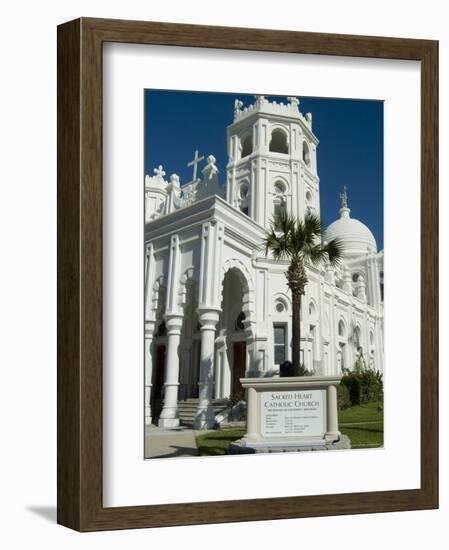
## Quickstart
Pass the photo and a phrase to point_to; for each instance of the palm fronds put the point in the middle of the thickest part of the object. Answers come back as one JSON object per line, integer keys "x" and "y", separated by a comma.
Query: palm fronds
{"x": 291, "y": 238}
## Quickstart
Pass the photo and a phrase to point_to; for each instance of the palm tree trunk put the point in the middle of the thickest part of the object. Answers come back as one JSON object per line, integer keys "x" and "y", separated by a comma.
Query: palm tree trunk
{"x": 296, "y": 332}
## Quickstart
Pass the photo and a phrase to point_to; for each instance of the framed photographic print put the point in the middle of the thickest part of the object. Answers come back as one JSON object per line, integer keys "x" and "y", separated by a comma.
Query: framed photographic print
{"x": 247, "y": 288}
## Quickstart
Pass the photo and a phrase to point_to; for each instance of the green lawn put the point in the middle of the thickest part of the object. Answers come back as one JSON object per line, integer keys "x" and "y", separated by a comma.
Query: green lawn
{"x": 361, "y": 413}
{"x": 364, "y": 436}
{"x": 217, "y": 442}
{"x": 363, "y": 424}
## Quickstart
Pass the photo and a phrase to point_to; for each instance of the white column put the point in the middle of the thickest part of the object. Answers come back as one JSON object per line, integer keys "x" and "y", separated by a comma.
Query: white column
{"x": 149, "y": 328}
{"x": 209, "y": 299}
{"x": 320, "y": 335}
{"x": 173, "y": 322}
{"x": 169, "y": 415}
{"x": 332, "y": 433}
{"x": 334, "y": 346}
{"x": 208, "y": 319}
{"x": 378, "y": 343}
{"x": 373, "y": 280}
{"x": 148, "y": 360}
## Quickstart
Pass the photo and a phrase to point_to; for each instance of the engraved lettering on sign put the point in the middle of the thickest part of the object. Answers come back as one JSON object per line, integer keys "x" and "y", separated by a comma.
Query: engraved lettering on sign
{"x": 287, "y": 413}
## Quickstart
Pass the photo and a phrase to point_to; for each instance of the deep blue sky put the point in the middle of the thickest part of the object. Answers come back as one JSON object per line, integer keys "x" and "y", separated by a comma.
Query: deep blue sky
{"x": 350, "y": 151}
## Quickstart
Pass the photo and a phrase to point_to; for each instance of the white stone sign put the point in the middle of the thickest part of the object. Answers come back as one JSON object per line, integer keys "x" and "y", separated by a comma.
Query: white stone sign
{"x": 292, "y": 413}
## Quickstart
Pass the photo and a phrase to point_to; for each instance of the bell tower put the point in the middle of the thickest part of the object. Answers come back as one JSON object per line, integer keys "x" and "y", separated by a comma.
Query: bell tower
{"x": 272, "y": 160}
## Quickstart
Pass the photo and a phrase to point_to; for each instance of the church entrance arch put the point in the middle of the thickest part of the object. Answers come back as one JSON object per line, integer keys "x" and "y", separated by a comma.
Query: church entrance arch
{"x": 234, "y": 330}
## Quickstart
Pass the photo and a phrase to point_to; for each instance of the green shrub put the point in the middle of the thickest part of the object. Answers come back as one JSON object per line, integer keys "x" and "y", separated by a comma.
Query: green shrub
{"x": 363, "y": 386}
{"x": 303, "y": 371}
{"x": 343, "y": 399}
{"x": 236, "y": 397}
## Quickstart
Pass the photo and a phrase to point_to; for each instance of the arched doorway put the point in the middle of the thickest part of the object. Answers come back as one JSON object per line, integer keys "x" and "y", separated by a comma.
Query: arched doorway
{"x": 233, "y": 334}
{"x": 159, "y": 350}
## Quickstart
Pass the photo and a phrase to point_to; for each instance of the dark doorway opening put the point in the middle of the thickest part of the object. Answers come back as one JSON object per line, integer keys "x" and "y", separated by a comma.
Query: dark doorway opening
{"x": 159, "y": 375}
{"x": 239, "y": 368}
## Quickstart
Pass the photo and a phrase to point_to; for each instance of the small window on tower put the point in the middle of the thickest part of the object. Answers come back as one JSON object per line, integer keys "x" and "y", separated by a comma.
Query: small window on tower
{"x": 279, "y": 188}
{"x": 278, "y": 143}
{"x": 306, "y": 154}
{"x": 279, "y": 209}
{"x": 247, "y": 146}
{"x": 243, "y": 198}
{"x": 244, "y": 191}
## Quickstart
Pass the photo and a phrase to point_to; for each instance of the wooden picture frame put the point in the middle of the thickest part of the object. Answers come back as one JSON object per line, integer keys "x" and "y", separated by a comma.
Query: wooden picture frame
{"x": 80, "y": 351}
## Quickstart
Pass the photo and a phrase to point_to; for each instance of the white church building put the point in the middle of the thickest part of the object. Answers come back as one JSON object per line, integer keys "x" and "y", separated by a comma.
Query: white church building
{"x": 216, "y": 308}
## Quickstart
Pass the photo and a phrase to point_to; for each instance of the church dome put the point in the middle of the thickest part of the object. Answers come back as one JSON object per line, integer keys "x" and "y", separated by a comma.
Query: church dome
{"x": 356, "y": 237}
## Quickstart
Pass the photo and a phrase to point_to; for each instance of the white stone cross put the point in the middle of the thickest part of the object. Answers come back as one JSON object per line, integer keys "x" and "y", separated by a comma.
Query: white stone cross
{"x": 159, "y": 171}
{"x": 195, "y": 163}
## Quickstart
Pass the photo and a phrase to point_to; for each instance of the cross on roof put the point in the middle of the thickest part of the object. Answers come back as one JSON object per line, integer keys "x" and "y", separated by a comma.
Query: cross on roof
{"x": 159, "y": 171}
{"x": 195, "y": 163}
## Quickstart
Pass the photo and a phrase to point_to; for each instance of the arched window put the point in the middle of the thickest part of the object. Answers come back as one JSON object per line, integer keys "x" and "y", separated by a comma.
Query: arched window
{"x": 355, "y": 277}
{"x": 341, "y": 329}
{"x": 279, "y": 199}
{"x": 278, "y": 143}
{"x": 278, "y": 207}
{"x": 306, "y": 153}
{"x": 244, "y": 190}
{"x": 280, "y": 306}
{"x": 309, "y": 202}
{"x": 243, "y": 198}
{"x": 312, "y": 312}
{"x": 279, "y": 188}
{"x": 357, "y": 337}
{"x": 247, "y": 146}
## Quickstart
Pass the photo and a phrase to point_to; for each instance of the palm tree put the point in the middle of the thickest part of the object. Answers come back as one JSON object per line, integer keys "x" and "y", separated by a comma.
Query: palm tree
{"x": 289, "y": 238}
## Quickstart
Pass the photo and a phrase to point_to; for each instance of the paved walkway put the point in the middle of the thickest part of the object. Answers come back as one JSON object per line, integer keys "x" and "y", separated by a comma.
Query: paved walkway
{"x": 164, "y": 443}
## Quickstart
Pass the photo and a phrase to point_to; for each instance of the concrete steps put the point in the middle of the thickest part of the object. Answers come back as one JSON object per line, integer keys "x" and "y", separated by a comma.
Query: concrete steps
{"x": 187, "y": 409}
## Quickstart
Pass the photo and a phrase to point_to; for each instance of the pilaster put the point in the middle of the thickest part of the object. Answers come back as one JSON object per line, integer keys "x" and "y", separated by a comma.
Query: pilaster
{"x": 169, "y": 416}
{"x": 332, "y": 432}
{"x": 148, "y": 360}
{"x": 208, "y": 319}
{"x": 149, "y": 328}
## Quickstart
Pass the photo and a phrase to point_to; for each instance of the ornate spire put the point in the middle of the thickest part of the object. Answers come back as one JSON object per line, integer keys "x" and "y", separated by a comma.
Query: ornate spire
{"x": 344, "y": 210}
{"x": 344, "y": 198}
